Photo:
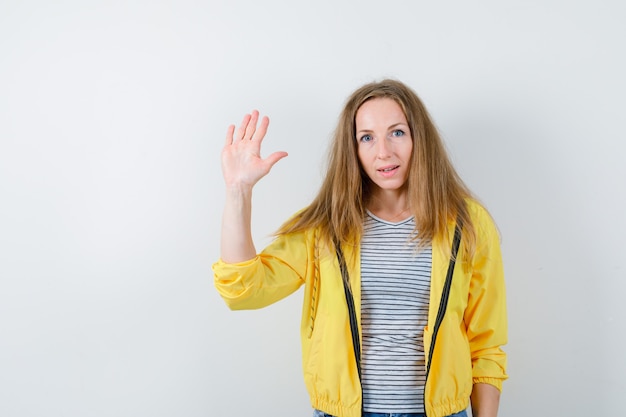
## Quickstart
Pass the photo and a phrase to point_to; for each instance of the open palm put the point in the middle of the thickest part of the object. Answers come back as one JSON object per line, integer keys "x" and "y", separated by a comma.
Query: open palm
{"x": 242, "y": 164}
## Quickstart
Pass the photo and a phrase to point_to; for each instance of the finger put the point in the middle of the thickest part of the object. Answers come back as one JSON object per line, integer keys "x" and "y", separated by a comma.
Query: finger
{"x": 251, "y": 128}
{"x": 275, "y": 157}
{"x": 229, "y": 135}
{"x": 262, "y": 130}
{"x": 242, "y": 127}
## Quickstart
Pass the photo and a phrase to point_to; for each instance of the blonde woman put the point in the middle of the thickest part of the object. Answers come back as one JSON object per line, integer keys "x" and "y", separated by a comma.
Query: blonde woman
{"x": 385, "y": 331}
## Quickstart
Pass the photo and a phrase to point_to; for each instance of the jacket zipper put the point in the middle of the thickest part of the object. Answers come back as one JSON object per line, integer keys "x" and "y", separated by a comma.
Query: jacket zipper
{"x": 443, "y": 305}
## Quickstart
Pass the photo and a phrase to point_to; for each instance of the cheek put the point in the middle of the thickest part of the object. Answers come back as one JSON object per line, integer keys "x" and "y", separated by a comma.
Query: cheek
{"x": 361, "y": 155}
{"x": 409, "y": 150}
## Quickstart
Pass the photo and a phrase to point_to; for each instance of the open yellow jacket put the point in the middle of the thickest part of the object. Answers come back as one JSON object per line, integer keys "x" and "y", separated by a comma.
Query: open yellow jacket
{"x": 467, "y": 349}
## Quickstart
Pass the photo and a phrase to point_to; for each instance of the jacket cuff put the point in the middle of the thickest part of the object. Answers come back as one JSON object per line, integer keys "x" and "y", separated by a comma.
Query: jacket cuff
{"x": 496, "y": 382}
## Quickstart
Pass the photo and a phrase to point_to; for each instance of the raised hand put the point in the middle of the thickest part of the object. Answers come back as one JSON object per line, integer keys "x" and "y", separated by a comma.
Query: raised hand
{"x": 242, "y": 164}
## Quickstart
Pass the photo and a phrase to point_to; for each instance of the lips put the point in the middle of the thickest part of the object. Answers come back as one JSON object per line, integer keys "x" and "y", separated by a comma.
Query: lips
{"x": 388, "y": 168}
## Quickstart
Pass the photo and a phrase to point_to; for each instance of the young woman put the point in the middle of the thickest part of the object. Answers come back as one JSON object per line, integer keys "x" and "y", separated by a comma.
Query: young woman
{"x": 390, "y": 202}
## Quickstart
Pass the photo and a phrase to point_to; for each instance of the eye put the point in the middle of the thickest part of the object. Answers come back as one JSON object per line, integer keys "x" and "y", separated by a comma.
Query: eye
{"x": 397, "y": 133}
{"x": 366, "y": 138}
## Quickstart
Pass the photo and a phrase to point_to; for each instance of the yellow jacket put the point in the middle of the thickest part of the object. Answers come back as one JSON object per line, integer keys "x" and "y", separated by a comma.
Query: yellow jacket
{"x": 467, "y": 350}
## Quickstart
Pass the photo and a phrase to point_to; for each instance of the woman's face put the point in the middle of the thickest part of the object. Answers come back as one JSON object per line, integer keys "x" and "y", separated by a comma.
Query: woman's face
{"x": 384, "y": 143}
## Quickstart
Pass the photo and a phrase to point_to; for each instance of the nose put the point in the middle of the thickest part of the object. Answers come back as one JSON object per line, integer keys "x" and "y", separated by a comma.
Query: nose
{"x": 384, "y": 149}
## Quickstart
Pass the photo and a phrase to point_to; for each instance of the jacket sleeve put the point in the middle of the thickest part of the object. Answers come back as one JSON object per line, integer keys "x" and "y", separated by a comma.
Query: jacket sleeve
{"x": 278, "y": 271}
{"x": 485, "y": 316}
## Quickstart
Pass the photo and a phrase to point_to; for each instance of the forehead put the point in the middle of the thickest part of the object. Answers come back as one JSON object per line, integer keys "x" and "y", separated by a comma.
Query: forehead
{"x": 381, "y": 111}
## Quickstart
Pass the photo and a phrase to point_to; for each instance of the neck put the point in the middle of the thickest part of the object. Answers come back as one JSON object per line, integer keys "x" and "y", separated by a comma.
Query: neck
{"x": 390, "y": 206}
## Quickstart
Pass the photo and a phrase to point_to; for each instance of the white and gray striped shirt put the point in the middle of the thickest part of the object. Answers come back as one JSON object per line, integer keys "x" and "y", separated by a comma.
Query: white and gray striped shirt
{"x": 395, "y": 287}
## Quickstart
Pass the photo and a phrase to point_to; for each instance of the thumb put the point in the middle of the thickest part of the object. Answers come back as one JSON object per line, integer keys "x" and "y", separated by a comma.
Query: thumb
{"x": 275, "y": 157}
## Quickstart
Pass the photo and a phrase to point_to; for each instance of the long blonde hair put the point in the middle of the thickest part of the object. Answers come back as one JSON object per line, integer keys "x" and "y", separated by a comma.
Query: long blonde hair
{"x": 436, "y": 193}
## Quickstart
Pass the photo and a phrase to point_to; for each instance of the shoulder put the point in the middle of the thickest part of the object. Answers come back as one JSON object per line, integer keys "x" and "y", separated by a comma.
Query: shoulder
{"x": 290, "y": 232}
{"x": 483, "y": 223}
{"x": 479, "y": 215}
{"x": 476, "y": 209}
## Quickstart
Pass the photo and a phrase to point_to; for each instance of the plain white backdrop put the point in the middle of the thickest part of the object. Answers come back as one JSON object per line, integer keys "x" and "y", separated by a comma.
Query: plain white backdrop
{"x": 112, "y": 119}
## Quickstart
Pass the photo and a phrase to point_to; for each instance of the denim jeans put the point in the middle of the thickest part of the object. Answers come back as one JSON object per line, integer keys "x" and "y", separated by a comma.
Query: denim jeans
{"x": 318, "y": 413}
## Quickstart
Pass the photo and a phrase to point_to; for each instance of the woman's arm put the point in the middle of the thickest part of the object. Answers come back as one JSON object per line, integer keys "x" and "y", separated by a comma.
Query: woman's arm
{"x": 485, "y": 400}
{"x": 242, "y": 168}
{"x": 485, "y": 314}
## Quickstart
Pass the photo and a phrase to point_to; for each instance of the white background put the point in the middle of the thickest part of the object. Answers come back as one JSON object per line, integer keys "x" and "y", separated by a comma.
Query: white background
{"x": 112, "y": 118}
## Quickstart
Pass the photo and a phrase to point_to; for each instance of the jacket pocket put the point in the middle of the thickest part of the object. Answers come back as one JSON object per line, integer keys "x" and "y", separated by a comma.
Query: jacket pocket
{"x": 428, "y": 337}
{"x": 314, "y": 292}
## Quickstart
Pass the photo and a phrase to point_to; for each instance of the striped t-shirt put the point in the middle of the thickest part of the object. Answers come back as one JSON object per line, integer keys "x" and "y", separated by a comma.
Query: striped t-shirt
{"x": 395, "y": 287}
